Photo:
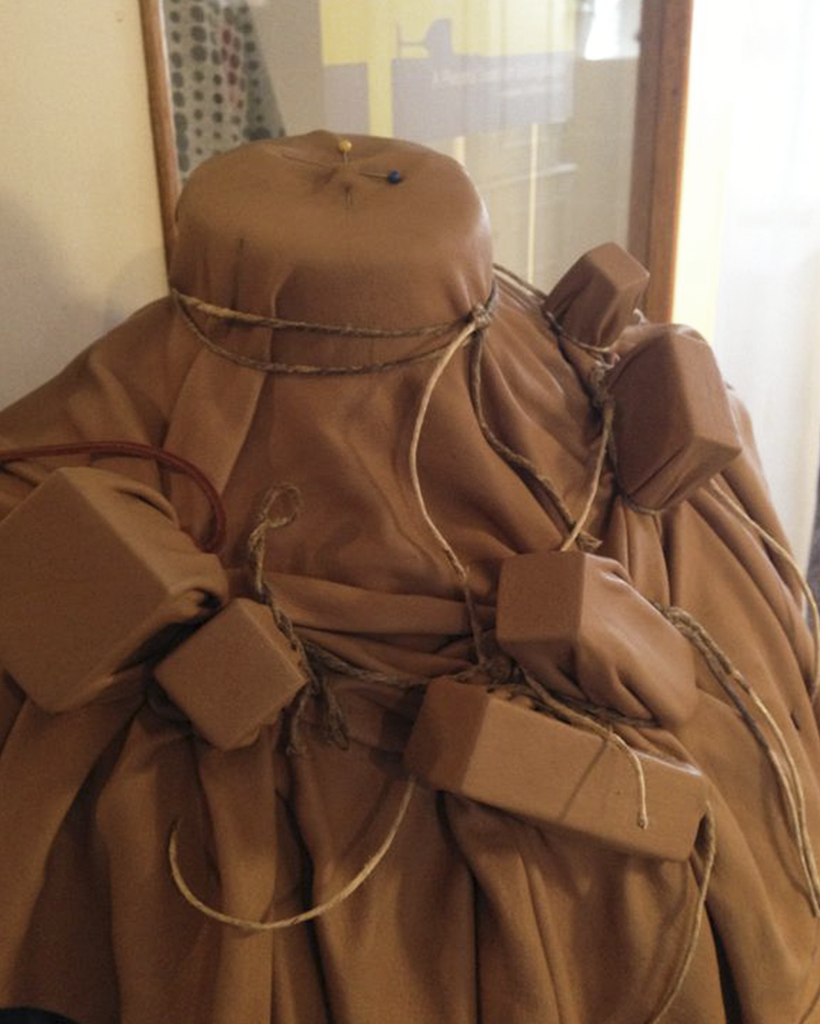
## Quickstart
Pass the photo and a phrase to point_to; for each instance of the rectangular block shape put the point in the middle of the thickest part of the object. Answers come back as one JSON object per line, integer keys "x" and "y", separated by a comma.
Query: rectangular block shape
{"x": 94, "y": 567}
{"x": 233, "y": 675}
{"x": 476, "y": 745}
{"x": 575, "y": 622}
{"x": 673, "y": 424}
{"x": 541, "y": 603}
{"x": 597, "y": 297}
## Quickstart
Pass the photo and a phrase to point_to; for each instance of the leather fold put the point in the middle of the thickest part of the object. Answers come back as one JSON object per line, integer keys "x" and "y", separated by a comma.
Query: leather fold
{"x": 97, "y": 576}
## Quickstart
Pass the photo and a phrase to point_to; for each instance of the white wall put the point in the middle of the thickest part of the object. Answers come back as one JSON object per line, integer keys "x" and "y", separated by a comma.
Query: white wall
{"x": 80, "y": 235}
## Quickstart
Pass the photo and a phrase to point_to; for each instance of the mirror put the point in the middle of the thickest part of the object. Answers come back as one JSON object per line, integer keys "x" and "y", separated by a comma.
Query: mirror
{"x": 568, "y": 114}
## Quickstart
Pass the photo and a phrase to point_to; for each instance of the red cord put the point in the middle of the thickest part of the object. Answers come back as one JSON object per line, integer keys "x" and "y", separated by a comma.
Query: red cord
{"x": 139, "y": 451}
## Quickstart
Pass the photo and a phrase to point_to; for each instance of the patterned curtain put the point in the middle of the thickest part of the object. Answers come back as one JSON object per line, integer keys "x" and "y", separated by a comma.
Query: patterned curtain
{"x": 220, "y": 88}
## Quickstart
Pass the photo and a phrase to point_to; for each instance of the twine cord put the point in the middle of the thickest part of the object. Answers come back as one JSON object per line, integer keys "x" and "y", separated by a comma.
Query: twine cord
{"x": 586, "y": 721}
{"x": 800, "y": 822}
{"x": 455, "y": 562}
{"x": 225, "y": 313}
{"x": 307, "y": 915}
{"x": 523, "y": 284}
{"x": 554, "y": 324}
{"x": 791, "y": 788}
{"x": 304, "y": 370}
{"x": 480, "y": 314}
{"x": 790, "y": 560}
{"x": 731, "y": 680}
{"x": 334, "y": 727}
{"x": 333, "y": 663}
{"x": 603, "y": 447}
{"x": 513, "y": 458}
{"x": 600, "y": 398}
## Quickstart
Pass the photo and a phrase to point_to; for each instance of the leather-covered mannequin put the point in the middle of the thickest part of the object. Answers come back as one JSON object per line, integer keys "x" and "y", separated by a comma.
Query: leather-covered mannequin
{"x": 342, "y": 361}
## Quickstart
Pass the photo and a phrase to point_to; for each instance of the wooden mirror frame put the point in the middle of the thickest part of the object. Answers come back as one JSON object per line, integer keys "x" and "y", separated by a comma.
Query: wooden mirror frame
{"x": 657, "y": 157}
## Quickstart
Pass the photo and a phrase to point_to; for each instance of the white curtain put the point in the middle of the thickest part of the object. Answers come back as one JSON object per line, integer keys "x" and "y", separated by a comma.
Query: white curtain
{"x": 756, "y": 77}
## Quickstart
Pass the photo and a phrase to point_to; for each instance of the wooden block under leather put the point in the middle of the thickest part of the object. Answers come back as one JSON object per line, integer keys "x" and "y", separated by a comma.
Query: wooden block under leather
{"x": 91, "y": 571}
{"x": 673, "y": 425}
{"x": 575, "y": 622}
{"x": 473, "y": 744}
{"x": 539, "y": 610}
{"x": 233, "y": 675}
{"x": 596, "y": 298}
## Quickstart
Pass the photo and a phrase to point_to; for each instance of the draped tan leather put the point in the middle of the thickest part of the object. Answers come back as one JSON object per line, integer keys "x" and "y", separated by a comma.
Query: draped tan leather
{"x": 474, "y": 913}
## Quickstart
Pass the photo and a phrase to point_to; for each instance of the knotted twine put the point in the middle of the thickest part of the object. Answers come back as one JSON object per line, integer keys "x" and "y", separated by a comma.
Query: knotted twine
{"x": 333, "y": 724}
{"x": 333, "y": 719}
{"x": 546, "y": 703}
{"x": 315, "y": 687}
{"x": 789, "y": 781}
{"x": 719, "y": 664}
{"x": 474, "y": 328}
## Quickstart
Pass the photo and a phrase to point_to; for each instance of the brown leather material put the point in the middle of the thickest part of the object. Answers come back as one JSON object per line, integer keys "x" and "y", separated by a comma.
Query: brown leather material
{"x": 69, "y": 552}
{"x": 473, "y": 913}
{"x": 674, "y": 428}
{"x": 304, "y": 234}
{"x": 474, "y": 744}
{"x": 598, "y": 296}
{"x": 576, "y": 622}
{"x": 234, "y": 675}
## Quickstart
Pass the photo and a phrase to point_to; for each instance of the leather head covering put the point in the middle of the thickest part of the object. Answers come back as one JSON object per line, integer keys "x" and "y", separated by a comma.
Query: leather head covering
{"x": 302, "y": 230}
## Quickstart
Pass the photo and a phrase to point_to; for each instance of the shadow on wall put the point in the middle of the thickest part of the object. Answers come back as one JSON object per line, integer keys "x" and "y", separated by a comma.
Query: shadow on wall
{"x": 44, "y": 320}
{"x": 49, "y": 313}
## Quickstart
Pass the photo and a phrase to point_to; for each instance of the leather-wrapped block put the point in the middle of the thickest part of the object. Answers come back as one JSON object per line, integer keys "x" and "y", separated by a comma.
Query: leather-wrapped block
{"x": 575, "y": 622}
{"x": 233, "y": 675}
{"x": 596, "y": 298}
{"x": 673, "y": 426}
{"x": 97, "y": 575}
{"x": 470, "y": 742}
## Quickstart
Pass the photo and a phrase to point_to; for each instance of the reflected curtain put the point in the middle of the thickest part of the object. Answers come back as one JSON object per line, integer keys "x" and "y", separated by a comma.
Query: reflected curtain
{"x": 221, "y": 91}
{"x": 767, "y": 333}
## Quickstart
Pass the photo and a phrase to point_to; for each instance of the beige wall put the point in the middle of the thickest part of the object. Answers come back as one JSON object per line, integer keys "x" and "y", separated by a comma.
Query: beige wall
{"x": 80, "y": 238}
